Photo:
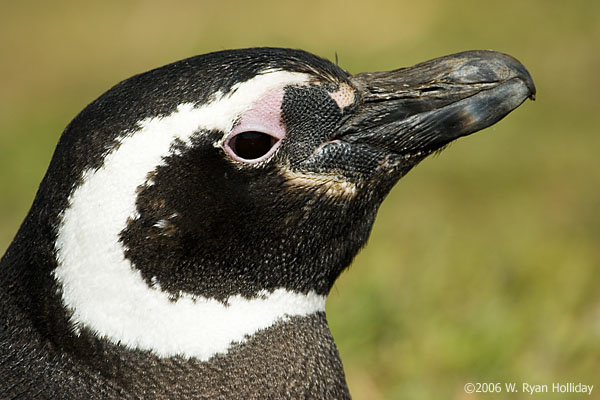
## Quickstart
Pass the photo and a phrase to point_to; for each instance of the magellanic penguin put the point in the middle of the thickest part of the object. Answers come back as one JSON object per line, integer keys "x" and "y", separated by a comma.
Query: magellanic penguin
{"x": 194, "y": 218}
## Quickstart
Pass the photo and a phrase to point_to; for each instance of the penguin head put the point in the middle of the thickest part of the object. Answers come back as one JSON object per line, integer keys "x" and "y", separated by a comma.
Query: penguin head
{"x": 244, "y": 174}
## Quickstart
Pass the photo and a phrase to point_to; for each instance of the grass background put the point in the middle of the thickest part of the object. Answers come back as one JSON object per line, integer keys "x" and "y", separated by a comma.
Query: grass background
{"x": 484, "y": 264}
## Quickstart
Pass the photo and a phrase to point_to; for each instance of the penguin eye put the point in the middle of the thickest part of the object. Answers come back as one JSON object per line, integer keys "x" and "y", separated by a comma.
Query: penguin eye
{"x": 251, "y": 146}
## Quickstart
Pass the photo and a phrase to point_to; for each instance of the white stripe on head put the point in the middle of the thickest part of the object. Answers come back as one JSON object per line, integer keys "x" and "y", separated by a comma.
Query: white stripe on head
{"x": 102, "y": 289}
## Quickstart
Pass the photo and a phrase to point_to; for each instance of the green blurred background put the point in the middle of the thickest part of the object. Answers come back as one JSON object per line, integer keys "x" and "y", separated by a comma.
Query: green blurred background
{"x": 484, "y": 264}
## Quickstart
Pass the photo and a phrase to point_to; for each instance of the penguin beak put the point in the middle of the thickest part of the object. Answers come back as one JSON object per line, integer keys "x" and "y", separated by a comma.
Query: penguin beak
{"x": 412, "y": 112}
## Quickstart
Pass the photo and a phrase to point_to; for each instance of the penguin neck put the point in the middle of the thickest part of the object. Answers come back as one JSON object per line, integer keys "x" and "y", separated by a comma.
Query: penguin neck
{"x": 114, "y": 302}
{"x": 295, "y": 358}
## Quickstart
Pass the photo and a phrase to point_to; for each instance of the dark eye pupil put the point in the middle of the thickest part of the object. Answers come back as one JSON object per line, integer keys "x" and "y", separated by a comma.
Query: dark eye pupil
{"x": 251, "y": 145}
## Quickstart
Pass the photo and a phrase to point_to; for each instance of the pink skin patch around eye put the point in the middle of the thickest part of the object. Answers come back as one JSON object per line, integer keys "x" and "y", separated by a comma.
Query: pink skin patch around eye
{"x": 264, "y": 116}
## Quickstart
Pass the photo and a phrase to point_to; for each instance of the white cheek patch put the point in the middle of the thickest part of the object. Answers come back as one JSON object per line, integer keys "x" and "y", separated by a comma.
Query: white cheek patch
{"x": 103, "y": 290}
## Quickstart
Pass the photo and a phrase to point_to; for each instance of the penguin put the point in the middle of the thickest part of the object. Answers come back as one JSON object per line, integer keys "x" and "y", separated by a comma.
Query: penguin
{"x": 194, "y": 218}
